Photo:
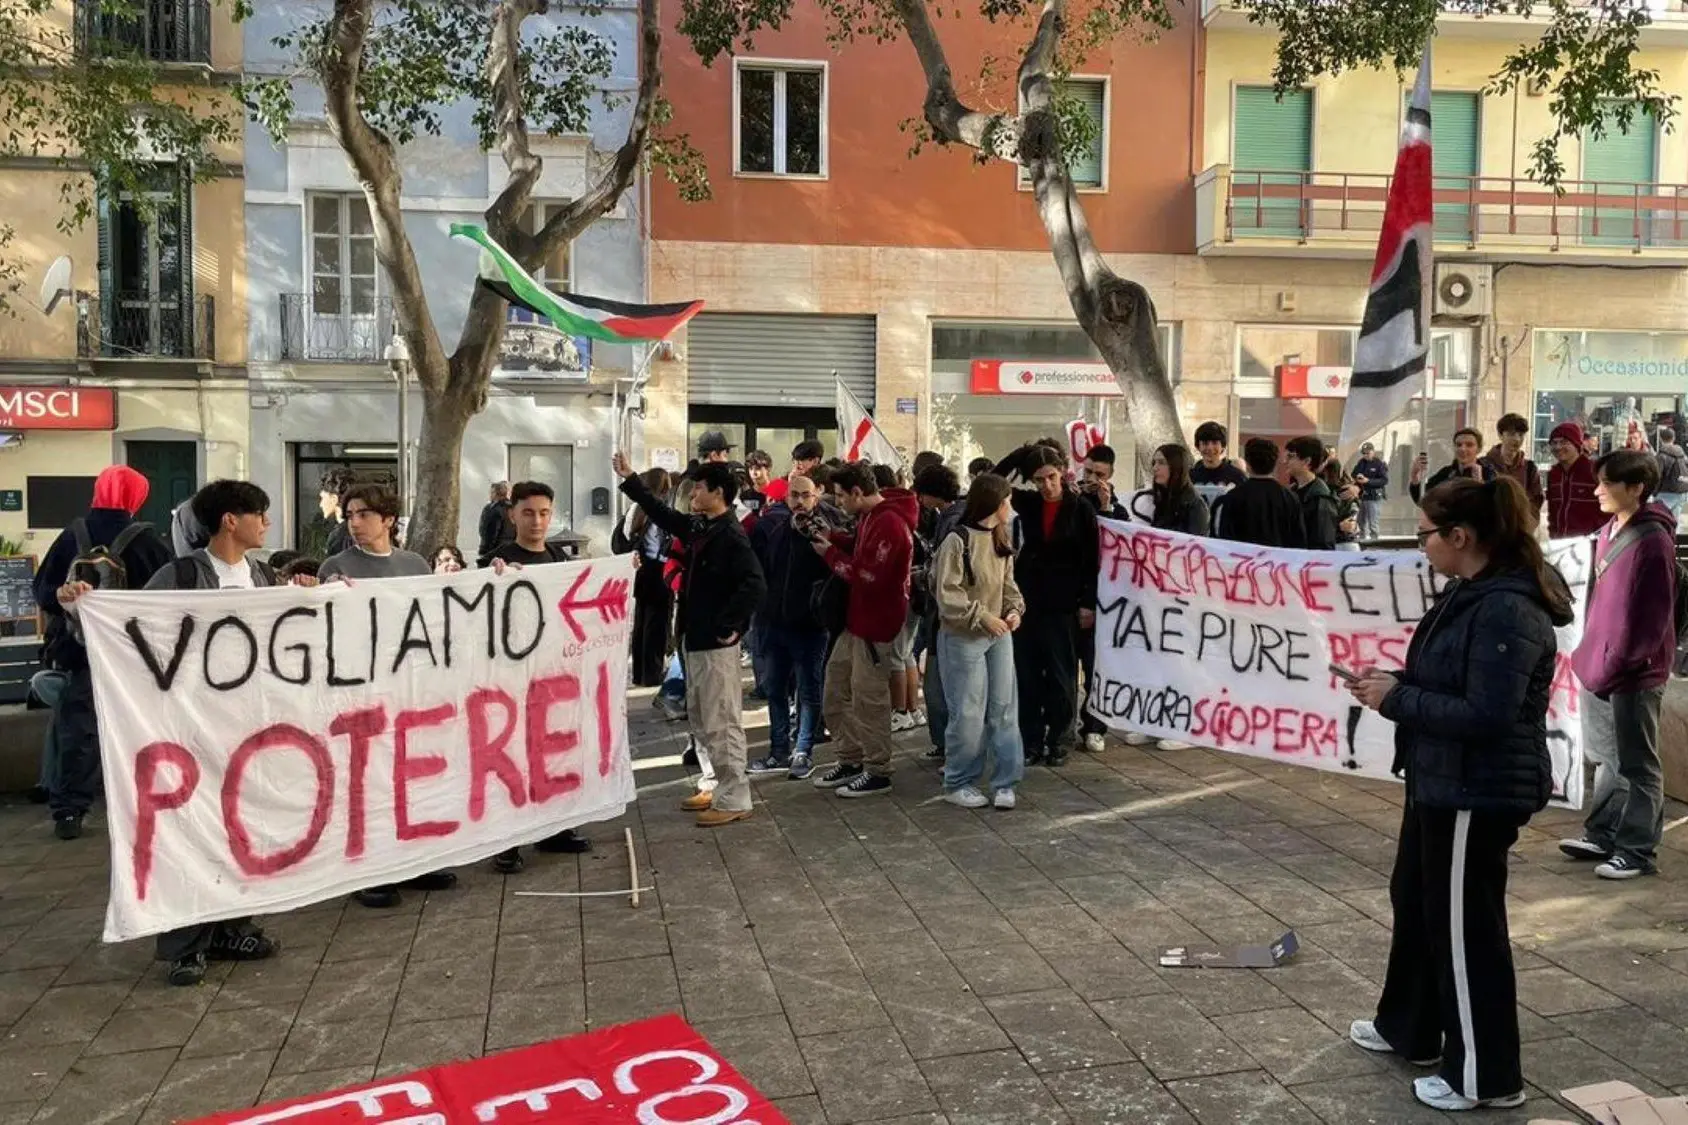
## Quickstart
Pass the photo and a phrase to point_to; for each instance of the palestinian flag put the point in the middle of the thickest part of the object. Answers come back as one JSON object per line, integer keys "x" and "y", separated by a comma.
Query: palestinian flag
{"x": 613, "y": 322}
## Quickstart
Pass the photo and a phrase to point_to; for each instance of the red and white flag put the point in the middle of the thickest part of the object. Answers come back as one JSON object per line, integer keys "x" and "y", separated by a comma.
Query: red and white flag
{"x": 1394, "y": 345}
{"x": 860, "y": 435}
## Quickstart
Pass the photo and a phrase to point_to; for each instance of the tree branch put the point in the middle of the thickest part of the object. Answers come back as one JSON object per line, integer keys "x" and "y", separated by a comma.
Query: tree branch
{"x": 346, "y": 35}
{"x": 509, "y": 110}
{"x": 951, "y": 120}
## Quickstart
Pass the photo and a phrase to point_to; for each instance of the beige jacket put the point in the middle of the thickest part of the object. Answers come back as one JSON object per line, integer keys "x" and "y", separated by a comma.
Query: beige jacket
{"x": 963, "y": 607}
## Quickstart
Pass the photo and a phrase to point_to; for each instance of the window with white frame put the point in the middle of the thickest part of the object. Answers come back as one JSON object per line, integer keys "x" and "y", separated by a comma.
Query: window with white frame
{"x": 1088, "y": 168}
{"x": 344, "y": 277}
{"x": 781, "y": 118}
{"x": 557, "y": 271}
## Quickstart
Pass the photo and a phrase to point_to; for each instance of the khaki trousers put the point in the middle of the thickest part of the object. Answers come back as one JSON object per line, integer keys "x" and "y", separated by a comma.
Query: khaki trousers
{"x": 857, "y": 703}
{"x": 715, "y": 701}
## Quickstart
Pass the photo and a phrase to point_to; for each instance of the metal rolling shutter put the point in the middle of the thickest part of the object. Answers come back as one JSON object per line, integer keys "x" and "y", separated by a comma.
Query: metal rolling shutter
{"x": 778, "y": 359}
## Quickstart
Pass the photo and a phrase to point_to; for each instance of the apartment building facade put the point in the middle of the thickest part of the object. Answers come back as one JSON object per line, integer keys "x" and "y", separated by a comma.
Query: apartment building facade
{"x": 128, "y": 343}
{"x": 324, "y": 401}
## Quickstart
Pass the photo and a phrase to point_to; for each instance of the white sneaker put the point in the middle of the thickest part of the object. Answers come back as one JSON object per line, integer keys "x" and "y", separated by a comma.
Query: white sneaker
{"x": 1095, "y": 743}
{"x": 919, "y": 716}
{"x": 901, "y": 721}
{"x": 1433, "y": 1090}
{"x": 966, "y": 797}
{"x": 1135, "y": 739}
{"x": 1004, "y": 799}
{"x": 1169, "y": 744}
{"x": 1364, "y": 1033}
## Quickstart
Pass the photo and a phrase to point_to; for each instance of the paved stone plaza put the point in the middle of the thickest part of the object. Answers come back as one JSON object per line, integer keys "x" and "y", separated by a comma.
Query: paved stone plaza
{"x": 884, "y": 961}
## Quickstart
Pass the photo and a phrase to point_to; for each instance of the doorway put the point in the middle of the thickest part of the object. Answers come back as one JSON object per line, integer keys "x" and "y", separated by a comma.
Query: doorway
{"x": 172, "y": 472}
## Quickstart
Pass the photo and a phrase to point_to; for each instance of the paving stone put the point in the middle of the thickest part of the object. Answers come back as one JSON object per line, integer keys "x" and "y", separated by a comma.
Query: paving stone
{"x": 764, "y": 1050}
{"x": 535, "y": 1015}
{"x": 325, "y": 1046}
{"x": 993, "y": 1088}
{"x": 435, "y": 990}
{"x": 1554, "y": 992}
{"x": 1005, "y": 967}
{"x": 1172, "y": 1038}
{"x": 1294, "y": 1047}
{"x": 111, "y": 1090}
{"x": 1247, "y": 1098}
{"x": 825, "y": 995}
{"x": 1126, "y": 1094}
{"x": 618, "y": 992}
{"x": 1652, "y": 1048}
{"x": 724, "y": 983}
{"x": 934, "y": 1022}
{"x": 20, "y": 991}
{"x": 141, "y": 1030}
{"x": 283, "y": 1087}
{"x": 353, "y": 990}
{"x": 371, "y": 934}
{"x": 1568, "y": 1062}
{"x": 804, "y": 1109}
{"x": 1056, "y": 1030}
{"x": 280, "y": 981}
{"x": 412, "y": 1046}
{"x": 199, "y": 1086}
{"x": 840, "y": 1065}
{"x": 68, "y": 1015}
{"x": 29, "y": 1072}
{"x": 241, "y": 1031}
{"x": 1383, "y": 1098}
{"x": 1108, "y": 971}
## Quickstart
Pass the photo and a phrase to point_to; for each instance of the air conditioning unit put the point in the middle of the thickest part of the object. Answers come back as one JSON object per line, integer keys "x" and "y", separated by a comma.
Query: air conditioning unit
{"x": 1464, "y": 289}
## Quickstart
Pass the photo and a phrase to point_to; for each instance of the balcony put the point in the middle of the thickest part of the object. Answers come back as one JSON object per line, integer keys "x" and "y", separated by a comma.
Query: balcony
{"x": 345, "y": 331}
{"x": 163, "y": 31}
{"x": 144, "y": 326}
{"x": 1338, "y": 214}
{"x": 1670, "y": 20}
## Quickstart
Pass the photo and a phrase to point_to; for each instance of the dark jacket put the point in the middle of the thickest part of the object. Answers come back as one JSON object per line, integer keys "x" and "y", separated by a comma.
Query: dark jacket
{"x": 1260, "y": 511}
{"x": 1485, "y": 472}
{"x": 1114, "y": 511}
{"x": 1524, "y": 472}
{"x": 722, "y": 583}
{"x": 791, "y": 567}
{"x": 1572, "y": 508}
{"x": 496, "y": 528}
{"x": 1376, "y": 472}
{"x": 1058, "y": 574}
{"x": 1673, "y": 468}
{"x": 1629, "y": 630}
{"x": 1187, "y": 513}
{"x": 141, "y": 560}
{"x": 1471, "y": 706}
{"x": 204, "y": 575}
{"x": 1318, "y": 513}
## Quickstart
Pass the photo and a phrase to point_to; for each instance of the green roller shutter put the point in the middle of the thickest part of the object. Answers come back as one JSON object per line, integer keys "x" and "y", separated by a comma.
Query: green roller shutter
{"x": 1620, "y": 164}
{"x": 1455, "y": 141}
{"x": 1086, "y": 170}
{"x": 1272, "y": 145}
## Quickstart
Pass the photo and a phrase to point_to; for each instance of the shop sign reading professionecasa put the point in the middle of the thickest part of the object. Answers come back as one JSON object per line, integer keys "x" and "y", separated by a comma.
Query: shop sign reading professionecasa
{"x": 1634, "y": 362}
{"x": 57, "y": 408}
{"x": 1058, "y": 377}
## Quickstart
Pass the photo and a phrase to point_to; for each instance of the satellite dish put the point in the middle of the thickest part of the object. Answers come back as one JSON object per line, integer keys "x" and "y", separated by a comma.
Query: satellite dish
{"x": 56, "y": 285}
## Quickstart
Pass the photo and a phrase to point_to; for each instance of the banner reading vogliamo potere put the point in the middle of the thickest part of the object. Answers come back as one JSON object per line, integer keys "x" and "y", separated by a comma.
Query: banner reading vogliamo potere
{"x": 1229, "y": 646}
{"x": 266, "y": 749}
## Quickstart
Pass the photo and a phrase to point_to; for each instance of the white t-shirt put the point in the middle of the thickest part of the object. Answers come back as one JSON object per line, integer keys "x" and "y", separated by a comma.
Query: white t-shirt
{"x": 231, "y": 576}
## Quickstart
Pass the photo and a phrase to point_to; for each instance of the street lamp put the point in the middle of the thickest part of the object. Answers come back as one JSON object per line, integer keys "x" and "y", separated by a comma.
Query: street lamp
{"x": 398, "y": 358}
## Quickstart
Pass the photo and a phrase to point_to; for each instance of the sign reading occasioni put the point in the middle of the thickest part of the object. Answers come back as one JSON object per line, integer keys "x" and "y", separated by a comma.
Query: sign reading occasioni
{"x": 1013, "y": 377}
{"x": 57, "y": 408}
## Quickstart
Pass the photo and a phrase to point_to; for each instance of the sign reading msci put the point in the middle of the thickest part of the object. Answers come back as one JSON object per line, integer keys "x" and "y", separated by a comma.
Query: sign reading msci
{"x": 58, "y": 408}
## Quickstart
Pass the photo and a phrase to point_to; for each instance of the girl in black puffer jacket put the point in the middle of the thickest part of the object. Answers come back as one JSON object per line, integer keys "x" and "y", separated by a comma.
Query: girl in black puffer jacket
{"x": 1470, "y": 709}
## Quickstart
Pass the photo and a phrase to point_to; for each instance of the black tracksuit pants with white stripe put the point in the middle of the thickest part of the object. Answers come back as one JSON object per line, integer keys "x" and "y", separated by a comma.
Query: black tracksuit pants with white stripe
{"x": 1450, "y": 991}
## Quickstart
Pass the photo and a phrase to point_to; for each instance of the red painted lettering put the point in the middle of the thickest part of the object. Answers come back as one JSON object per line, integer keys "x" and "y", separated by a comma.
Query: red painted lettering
{"x": 149, "y": 802}
{"x": 487, "y": 757}
{"x": 279, "y": 736}
{"x": 606, "y": 730}
{"x": 408, "y": 768}
{"x": 361, "y": 727}
{"x": 545, "y": 741}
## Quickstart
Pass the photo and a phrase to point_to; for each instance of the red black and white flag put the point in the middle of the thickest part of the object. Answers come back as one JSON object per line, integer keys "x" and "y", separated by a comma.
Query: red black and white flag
{"x": 860, "y": 435}
{"x": 1391, "y": 354}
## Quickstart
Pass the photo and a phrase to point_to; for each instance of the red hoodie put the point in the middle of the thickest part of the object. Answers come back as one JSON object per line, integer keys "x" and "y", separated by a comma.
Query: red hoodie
{"x": 120, "y": 487}
{"x": 875, "y": 562}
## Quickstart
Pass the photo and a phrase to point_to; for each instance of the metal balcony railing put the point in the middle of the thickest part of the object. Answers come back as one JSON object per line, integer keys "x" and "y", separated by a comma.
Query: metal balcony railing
{"x": 344, "y": 331}
{"x": 1470, "y": 211}
{"x": 144, "y": 326}
{"x": 168, "y": 31}
{"x": 1662, "y": 11}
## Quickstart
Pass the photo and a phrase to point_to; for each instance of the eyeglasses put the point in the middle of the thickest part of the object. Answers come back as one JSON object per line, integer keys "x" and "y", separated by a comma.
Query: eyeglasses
{"x": 1424, "y": 536}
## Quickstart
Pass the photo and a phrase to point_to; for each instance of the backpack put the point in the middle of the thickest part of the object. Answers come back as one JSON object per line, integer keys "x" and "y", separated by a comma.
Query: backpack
{"x": 1679, "y": 607}
{"x": 101, "y": 566}
{"x": 1671, "y": 477}
{"x": 829, "y": 601}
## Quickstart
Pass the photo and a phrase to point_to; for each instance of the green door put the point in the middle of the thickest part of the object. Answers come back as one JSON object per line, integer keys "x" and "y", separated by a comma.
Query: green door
{"x": 1272, "y": 145}
{"x": 1625, "y": 165}
{"x": 172, "y": 471}
{"x": 1455, "y": 141}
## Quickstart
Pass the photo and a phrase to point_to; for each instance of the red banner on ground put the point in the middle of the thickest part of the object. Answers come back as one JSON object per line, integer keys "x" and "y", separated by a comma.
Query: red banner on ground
{"x": 656, "y": 1072}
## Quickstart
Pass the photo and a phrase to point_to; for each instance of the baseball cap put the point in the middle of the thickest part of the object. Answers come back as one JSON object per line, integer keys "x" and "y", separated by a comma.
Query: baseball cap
{"x": 713, "y": 442}
{"x": 1368, "y": 447}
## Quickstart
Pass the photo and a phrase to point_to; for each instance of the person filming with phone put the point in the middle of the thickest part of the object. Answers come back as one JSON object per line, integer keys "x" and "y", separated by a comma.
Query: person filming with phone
{"x": 1470, "y": 714}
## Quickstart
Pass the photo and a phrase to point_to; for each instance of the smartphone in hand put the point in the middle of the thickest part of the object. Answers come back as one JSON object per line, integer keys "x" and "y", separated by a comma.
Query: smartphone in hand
{"x": 1346, "y": 675}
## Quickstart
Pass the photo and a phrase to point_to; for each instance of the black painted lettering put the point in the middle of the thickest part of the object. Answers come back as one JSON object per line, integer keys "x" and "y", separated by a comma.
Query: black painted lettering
{"x": 1352, "y": 580}
{"x": 251, "y": 661}
{"x": 452, "y": 597}
{"x": 334, "y": 677}
{"x": 166, "y": 676}
{"x": 508, "y": 619}
{"x": 303, "y": 673}
{"x": 415, "y": 621}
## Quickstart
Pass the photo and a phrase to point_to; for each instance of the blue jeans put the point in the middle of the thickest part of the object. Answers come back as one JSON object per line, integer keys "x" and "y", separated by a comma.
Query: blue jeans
{"x": 674, "y": 684}
{"x": 937, "y": 707}
{"x": 979, "y": 687}
{"x": 47, "y": 686}
{"x": 784, "y": 652}
{"x": 1371, "y": 519}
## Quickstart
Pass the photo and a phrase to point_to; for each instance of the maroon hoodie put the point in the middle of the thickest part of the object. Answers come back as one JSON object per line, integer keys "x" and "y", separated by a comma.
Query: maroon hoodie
{"x": 1629, "y": 626}
{"x": 875, "y": 562}
{"x": 1572, "y": 509}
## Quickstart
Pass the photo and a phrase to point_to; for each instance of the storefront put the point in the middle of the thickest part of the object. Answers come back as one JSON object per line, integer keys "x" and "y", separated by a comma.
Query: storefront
{"x": 1603, "y": 380}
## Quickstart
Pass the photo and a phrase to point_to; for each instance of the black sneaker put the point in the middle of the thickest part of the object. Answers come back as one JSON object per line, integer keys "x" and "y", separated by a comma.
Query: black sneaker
{"x": 770, "y": 764}
{"x": 1034, "y": 757}
{"x": 801, "y": 767}
{"x": 688, "y": 757}
{"x": 1584, "y": 848}
{"x": 67, "y": 826}
{"x": 187, "y": 971}
{"x": 1056, "y": 757}
{"x": 432, "y": 881}
{"x": 934, "y": 756}
{"x": 38, "y": 794}
{"x": 865, "y": 785}
{"x": 566, "y": 842}
{"x": 839, "y": 773}
{"x": 379, "y": 898}
{"x": 509, "y": 862}
{"x": 1621, "y": 867}
{"x": 247, "y": 943}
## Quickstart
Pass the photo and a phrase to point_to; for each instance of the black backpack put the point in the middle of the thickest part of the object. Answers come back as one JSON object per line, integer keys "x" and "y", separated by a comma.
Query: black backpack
{"x": 1671, "y": 473}
{"x": 1624, "y": 541}
{"x": 829, "y": 601}
{"x": 100, "y": 565}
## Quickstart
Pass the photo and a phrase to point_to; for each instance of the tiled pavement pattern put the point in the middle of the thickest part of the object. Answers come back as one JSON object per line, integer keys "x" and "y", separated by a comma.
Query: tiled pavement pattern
{"x": 890, "y": 960}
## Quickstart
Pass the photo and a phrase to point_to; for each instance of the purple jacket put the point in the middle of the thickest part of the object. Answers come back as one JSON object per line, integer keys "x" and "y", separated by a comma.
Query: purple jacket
{"x": 1629, "y": 629}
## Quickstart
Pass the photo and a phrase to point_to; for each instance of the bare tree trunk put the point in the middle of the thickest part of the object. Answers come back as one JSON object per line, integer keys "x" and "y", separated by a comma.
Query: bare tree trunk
{"x": 1116, "y": 313}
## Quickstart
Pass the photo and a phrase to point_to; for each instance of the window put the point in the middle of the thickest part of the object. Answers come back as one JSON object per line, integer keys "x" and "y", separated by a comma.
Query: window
{"x": 349, "y": 320}
{"x": 146, "y": 279}
{"x": 1620, "y": 164}
{"x": 552, "y": 465}
{"x": 781, "y": 119}
{"x": 1089, "y": 95}
{"x": 557, "y": 271}
{"x": 1271, "y": 154}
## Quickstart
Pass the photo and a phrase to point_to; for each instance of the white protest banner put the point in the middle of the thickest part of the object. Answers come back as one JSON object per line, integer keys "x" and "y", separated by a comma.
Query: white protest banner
{"x": 1229, "y": 646}
{"x": 265, "y": 749}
